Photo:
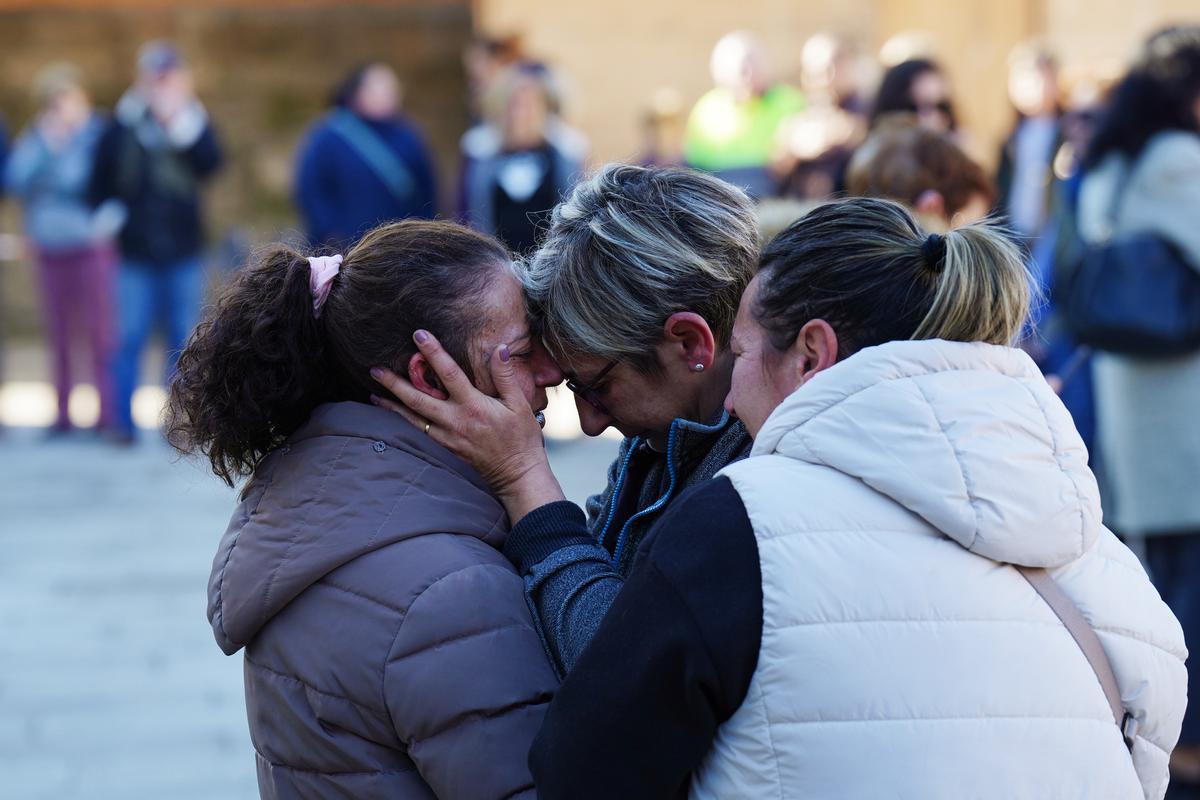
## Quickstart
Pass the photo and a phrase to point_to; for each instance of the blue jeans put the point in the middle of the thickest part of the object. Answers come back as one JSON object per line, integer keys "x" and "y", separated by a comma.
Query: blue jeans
{"x": 151, "y": 295}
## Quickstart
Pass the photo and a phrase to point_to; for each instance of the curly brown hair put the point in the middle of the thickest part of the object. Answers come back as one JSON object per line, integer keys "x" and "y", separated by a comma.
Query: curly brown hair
{"x": 260, "y": 361}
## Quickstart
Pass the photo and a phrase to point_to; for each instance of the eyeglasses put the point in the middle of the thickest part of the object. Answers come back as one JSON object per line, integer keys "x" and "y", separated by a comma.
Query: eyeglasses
{"x": 587, "y": 392}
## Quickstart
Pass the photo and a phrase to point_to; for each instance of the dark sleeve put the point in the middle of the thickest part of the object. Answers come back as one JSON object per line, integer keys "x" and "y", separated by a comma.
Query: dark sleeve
{"x": 570, "y": 579}
{"x": 103, "y": 184}
{"x": 205, "y": 154}
{"x": 671, "y": 661}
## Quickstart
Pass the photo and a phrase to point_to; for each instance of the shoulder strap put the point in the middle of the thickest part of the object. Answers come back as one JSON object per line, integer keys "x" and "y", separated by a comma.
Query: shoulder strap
{"x": 1085, "y": 636}
{"x": 375, "y": 152}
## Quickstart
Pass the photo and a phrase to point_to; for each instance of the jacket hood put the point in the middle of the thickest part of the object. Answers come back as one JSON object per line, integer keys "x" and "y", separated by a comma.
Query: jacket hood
{"x": 967, "y": 436}
{"x": 353, "y": 479}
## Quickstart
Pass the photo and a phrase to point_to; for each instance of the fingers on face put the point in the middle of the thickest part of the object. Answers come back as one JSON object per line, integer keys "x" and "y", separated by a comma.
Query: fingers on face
{"x": 409, "y": 396}
{"x": 448, "y": 372}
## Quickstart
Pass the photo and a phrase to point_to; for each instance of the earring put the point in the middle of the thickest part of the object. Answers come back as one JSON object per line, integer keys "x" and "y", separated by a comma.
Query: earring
{"x": 698, "y": 368}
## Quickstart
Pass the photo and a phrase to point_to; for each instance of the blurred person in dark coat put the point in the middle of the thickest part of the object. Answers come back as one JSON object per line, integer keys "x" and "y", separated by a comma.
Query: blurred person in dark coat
{"x": 363, "y": 163}
{"x": 151, "y": 164}
{"x": 48, "y": 172}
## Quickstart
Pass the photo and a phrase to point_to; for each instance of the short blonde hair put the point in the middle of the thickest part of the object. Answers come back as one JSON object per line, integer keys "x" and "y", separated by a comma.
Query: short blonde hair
{"x": 632, "y": 245}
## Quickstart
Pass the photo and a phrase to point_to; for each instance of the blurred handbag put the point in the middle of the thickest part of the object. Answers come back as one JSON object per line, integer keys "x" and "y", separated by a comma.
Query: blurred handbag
{"x": 1134, "y": 294}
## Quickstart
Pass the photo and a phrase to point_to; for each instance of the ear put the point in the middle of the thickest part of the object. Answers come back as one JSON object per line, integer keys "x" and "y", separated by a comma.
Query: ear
{"x": 422, "y": 376}
{"x": 688, "y": 339}
{"x": 930, "y": 202}
{"x": 816, "y": 348}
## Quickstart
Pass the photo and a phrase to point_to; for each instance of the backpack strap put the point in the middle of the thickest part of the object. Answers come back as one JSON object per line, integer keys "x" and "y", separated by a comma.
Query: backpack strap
{"x": 1085, "y": 636}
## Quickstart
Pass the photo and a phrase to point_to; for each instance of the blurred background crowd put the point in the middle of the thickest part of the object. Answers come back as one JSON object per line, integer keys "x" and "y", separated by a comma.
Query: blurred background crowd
{"x": 148, "y": 147}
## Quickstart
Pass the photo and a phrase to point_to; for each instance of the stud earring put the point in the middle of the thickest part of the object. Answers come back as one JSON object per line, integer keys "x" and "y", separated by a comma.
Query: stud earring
{"x": 698, "y": 368}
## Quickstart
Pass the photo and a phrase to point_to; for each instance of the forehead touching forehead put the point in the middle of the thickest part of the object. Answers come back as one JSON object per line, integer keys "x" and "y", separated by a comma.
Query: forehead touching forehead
{"x": 503, "y": 319}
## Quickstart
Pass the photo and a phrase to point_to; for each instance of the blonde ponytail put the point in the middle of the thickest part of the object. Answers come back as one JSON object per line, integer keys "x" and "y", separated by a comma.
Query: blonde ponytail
{"x": 983, "y": 291}
{"x": 868, "y": 269}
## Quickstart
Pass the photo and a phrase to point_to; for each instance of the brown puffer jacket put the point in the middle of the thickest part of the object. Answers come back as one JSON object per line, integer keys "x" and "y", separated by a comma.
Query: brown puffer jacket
{"x": 389, "y": 649}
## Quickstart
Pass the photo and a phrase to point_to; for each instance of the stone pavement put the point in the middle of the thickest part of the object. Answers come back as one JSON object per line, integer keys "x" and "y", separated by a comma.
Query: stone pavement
{"x": 110, "y": 683}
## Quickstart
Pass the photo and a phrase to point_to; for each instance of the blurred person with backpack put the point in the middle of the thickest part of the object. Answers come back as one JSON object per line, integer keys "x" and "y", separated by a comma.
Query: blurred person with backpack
{"x": 1142, "y": 187}
{"x": 48, "y": 172}
{"x": 363, "y": 163}
{"x": 152, "y": 162}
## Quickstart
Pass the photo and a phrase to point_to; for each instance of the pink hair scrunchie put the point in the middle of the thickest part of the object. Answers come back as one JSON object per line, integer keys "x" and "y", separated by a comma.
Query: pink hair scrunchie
{"x": 321, "y": 272}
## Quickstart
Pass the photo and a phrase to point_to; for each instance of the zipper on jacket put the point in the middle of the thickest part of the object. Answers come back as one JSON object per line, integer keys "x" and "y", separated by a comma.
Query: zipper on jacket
{"x": 672, "y": 474}
{"x": 615, "y": 498}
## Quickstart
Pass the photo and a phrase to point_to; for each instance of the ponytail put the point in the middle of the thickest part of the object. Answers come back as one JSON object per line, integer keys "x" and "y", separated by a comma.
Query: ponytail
{"x": 252, "y": 371}
{"x": 265, "y": 356}
{"x": 982, "y": 292}
{"x": 866, "y": 267}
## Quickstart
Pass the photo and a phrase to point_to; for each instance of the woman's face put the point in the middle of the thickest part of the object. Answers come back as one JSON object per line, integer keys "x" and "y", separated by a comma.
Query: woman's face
{"x": 762, "y": 376}
{"x": 633, "y": 402}
{"x": 505, "y": 322}
{"x": 930, "y": 96}
{"x": 525, "y": 116}
{"x": 378, "y": 95}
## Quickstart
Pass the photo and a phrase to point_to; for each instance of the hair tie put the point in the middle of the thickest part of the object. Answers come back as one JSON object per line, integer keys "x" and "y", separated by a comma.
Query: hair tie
{"x": 321, "y": 272}
{"x": 933, "y": 249}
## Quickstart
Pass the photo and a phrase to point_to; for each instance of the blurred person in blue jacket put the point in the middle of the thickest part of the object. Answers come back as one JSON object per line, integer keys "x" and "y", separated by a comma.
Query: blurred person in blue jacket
{"x": 48, "y": 172}
{"x": 151, "y": 164}
{"x": 363, "y": 163}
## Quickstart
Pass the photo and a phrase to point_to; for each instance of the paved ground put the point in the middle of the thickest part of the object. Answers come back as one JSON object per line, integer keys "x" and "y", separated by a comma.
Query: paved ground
{"x": 110, "y": 683}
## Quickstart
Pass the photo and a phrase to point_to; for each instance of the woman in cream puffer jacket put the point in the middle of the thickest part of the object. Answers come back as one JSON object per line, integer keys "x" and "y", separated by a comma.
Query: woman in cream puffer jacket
{"x": 840, "y": 615}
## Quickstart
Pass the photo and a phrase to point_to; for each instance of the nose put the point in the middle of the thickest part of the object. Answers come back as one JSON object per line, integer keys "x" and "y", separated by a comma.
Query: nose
{"x": 591, "y": 421}
{"x": 546, "y": 371}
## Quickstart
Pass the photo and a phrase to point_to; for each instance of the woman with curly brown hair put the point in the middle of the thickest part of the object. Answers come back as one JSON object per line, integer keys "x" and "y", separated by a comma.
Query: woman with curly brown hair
{"x": 389, "y": 651}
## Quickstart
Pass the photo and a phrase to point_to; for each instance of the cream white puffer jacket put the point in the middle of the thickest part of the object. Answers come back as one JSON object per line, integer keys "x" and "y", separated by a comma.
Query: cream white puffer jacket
{"x": 901, "y": 657}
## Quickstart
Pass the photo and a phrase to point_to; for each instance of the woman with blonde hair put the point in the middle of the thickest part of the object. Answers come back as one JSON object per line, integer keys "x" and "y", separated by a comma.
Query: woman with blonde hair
{"x": 906, "y": 590}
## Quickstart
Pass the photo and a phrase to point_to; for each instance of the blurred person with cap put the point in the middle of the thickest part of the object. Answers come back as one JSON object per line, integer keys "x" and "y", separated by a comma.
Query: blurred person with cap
{"x": 1026, "y": 170}
{"x": 364, "y": 163}
{"x": 153, "y": 160}
{"x": 522, "y": 162}
{"x": 48, "y": 171}
{"x": 733, "y": 130}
